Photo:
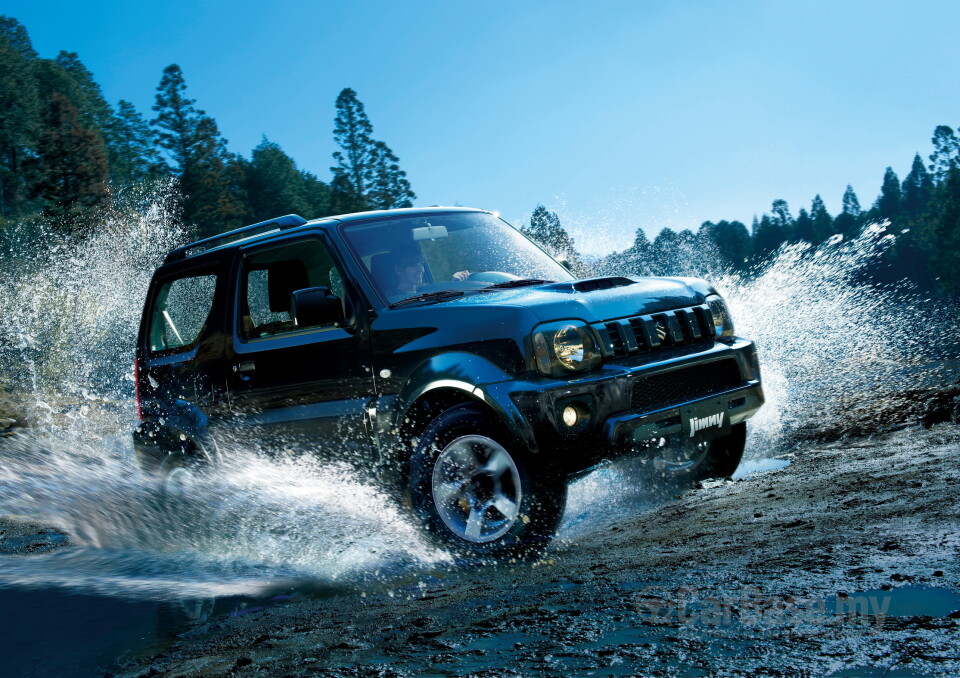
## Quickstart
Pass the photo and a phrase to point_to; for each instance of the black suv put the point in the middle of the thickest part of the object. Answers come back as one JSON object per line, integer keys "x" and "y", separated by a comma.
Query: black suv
{"x": 443, "y": 352}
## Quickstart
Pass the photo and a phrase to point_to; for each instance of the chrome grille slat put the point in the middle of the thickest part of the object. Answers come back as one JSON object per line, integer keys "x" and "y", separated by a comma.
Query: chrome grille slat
{"x": 643, "y": 333}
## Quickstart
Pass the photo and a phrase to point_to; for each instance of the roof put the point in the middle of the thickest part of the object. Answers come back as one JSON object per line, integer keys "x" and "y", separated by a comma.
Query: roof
{"x": 260, "y": 230}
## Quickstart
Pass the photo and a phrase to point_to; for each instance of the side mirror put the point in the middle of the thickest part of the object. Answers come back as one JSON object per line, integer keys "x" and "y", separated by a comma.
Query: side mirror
{"x": 315, "y": 306}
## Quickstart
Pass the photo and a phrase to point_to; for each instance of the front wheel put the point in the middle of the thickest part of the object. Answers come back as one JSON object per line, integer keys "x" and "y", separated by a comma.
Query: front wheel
{"x": 717, "y": 458}
{"x": 478, "y": 492}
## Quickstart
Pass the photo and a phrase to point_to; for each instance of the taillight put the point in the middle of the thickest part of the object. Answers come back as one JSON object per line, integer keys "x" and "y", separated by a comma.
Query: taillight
{"x": 136, "y": 386}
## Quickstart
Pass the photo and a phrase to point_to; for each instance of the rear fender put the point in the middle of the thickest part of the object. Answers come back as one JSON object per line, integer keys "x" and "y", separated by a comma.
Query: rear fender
{"x": 182, "y": 429}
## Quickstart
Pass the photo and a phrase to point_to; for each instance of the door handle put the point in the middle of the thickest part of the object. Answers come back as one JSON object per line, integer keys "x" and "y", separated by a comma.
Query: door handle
{"x": 245, "y": 366}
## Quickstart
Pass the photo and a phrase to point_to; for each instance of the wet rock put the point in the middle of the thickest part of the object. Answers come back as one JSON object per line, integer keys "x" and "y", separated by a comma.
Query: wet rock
{"x": 21, "y": 535}
{"x": 241, "y": 662}
{"x": 260, "y": 639}
{"x": 791, "y": 525}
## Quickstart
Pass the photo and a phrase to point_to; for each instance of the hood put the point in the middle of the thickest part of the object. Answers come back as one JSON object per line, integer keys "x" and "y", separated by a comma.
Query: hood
{"x": 497, "y": 323}
{"x": 595, "y": 299}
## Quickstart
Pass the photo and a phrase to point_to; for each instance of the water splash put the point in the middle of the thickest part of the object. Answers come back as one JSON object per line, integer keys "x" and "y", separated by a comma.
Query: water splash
{"x": 70, "y": 306}
{"x": 71, "y": 313}
{"x": 829, "y": 338}
{"x": 254, "y": 524}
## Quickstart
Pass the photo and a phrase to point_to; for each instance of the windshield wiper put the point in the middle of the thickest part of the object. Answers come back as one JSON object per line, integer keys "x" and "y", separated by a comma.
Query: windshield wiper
{"x": 523, "y": 282}
{"x": 428, "y": 296}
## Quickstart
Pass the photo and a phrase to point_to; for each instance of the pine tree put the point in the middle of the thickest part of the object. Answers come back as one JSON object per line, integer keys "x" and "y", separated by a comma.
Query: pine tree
{"x": 274, "y": 184}
{"x": 93, "y": 109}
{"x": 767, "y": 237}
{"x": 389, "y": 187}
{"x": 15, "y": 37}
{"x": 69, "y": 171}
{"x": 946, "y": 259}
{"x": 546, "y": 230}
{"x": 135, "y": 156}
{"x": 353, "y": 133}
{"x": 637, "y": 258}
{"x": 211, "y": 178}
{"x": 367, "y": 174}
{"x": 317, "y": 195}
{"x": 916, "y": 188}
{"x": 851, "y": 205}
{"x": 848, "y": 221}
{"x": 665, "y": 252}
{"x": 731, "y": 240}
{"x": 782, "y": 219}
{"x": 632, "y": 261}
{"x": 821, "y": 221}
{"x": 946, "y": 152}
{"x": 343, "y": 199}
{"x": 20, "y": 113}
{"x": 177, "y": 119}
{"x": 887, "y": 205}
{"x": 212, "y": 183}
{"x": 803, "y": 227}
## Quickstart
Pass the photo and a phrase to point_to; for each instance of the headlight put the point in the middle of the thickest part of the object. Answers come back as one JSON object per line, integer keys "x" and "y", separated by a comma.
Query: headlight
{"x": 565, "y": 347}
{"x": 568, "y": 346}
{"x": 722, "y": 322}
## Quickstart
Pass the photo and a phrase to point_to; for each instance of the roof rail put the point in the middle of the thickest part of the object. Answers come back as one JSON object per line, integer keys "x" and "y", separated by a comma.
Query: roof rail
{"x": 279, "y": 224}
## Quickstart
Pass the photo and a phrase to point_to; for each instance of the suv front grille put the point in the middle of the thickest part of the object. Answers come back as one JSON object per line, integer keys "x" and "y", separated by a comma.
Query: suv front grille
{"x": 672, "y": 388}
{"x": 643, "y": 333}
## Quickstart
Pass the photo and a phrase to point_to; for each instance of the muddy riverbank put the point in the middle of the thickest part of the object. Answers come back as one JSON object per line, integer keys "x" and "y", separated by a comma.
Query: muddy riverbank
{"x": 837, "y": 557}
{"x": 841, "y": 563}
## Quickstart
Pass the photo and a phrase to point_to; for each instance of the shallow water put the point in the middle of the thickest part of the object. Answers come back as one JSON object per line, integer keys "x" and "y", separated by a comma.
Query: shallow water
{"x": 265, "y": 524}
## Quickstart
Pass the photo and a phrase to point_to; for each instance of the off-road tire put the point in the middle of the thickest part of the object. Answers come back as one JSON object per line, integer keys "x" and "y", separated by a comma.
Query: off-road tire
{"x": 502, "y": 470}
{"x": 719, "y": 458}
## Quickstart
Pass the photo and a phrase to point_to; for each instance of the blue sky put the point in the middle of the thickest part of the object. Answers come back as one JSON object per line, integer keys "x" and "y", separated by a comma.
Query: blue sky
{"x": 616, "y": 114}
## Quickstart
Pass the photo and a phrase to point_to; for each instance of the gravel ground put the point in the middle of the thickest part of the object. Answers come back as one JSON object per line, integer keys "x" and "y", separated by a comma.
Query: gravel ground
{"x": 842, "y": 563}
{"x": 20, "y": 535}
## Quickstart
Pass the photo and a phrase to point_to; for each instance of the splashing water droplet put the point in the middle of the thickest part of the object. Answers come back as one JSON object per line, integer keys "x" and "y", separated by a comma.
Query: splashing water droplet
{"x": 71, "y": 313}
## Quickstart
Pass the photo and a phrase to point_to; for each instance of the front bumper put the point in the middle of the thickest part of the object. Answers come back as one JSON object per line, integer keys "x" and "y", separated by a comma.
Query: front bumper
{"x": 632, "y": 402}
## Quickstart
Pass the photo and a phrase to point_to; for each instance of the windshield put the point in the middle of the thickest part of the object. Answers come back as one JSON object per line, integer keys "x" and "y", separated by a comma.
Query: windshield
{"x": 454, "y": 252}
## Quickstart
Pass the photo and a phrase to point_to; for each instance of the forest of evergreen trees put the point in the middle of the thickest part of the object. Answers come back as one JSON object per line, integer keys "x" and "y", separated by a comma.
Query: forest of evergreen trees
{"x": 922, "y": 211}
{"x": 65, "y": 152}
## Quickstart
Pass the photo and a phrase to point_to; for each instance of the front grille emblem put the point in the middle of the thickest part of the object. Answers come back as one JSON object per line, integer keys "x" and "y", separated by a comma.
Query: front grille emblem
{"x": 661, "y": 331}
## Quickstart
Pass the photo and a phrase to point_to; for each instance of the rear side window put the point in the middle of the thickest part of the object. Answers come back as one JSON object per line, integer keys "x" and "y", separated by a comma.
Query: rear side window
{"x": 271, "y": 276}
{"x": 180, "y": 312}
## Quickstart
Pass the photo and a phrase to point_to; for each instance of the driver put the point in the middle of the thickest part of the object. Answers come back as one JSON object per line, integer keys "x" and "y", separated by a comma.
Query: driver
{"x": 408, "y": 268}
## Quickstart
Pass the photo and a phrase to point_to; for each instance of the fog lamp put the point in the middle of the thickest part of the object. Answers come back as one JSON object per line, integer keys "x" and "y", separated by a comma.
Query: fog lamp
{"x": 570, "y": 416}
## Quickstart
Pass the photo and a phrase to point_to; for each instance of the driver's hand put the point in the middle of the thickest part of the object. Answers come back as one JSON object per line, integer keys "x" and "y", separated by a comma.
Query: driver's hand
{"x": 461, "y": 275}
